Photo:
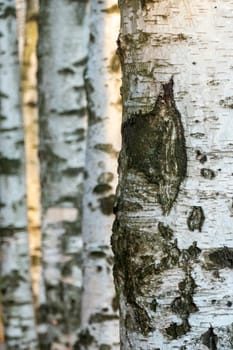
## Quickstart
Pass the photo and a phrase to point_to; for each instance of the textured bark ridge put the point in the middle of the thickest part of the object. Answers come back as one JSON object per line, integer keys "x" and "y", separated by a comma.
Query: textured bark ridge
{"x": 155, "y": 146}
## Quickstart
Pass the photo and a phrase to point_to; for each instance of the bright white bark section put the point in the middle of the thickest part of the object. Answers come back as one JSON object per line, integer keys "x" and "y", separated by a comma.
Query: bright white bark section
{"x": 63, "y": 36}
{"x": 99, "y": 303}
{"x": 191, "y": 41}
{"x": 15, "y": 279}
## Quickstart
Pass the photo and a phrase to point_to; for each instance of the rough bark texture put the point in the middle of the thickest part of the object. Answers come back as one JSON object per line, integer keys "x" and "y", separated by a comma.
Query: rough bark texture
{"x": 30, "y": 113}
{"x": 15, "y": 278}
{"x": 172, "y": 236}
{"x": 62, "y": 117}
{"x": 100, "y": 320}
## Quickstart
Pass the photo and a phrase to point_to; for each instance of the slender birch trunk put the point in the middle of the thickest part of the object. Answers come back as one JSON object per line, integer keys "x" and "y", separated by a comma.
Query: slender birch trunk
{"x": 100, "y": 320}
{"x": 63, "y": 36}
{"x": 30, "y": 113}
{"x": 15, "y": 278}
{"x": 172, "y": 236}
{"x": 21, "y": 9}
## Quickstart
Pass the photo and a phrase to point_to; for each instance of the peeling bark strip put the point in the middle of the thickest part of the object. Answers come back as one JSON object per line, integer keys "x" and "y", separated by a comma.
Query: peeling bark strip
{"x": 155, "y": 146}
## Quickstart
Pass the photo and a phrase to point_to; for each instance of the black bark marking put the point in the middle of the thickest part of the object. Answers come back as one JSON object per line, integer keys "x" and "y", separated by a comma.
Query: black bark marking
{"x": 201, "y": 157}
{"x": 155, "y": 146}
{"x": 102, "y": 188}
{"x": 207, "y": 173}
{"x": 196, "y": 219}
{"x": 9, "y": 166}
{"x": 106, "y": 204}
{"x": 183, "y": 306}
{"x": 222, "y": 257}
{"x": 210, "y": 339}
{"x": 177, "y": 330}
{"x": 7, "y": 11}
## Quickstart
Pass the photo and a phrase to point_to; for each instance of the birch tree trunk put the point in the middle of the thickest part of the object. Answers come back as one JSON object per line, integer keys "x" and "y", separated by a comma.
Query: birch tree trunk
{"x": 21, "y": 9}
{"x": 172, "y": 236}
{"x": 15, "y": 278}
{"x": 30, "y": 113}
{"x": 100, "y": 320}
{"x": 63, "y": 36}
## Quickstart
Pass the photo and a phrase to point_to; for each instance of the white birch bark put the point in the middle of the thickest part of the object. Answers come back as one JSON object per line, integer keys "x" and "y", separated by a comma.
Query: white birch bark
{"x": 100, "y": 320}
{"x": 63, "y": 36}
{"x": 173, "y": 238}
{"x": 15, "y": 278}
{"x": 30, "y": 114}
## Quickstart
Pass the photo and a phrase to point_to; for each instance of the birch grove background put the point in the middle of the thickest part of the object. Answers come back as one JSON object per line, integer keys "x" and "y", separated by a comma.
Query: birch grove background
{"x": 53, "y": 99}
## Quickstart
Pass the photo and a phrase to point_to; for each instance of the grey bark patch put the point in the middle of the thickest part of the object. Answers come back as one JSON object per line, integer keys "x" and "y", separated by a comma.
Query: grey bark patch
{"x": 210, "y": 339}
{"x": 196, "y": 219}
{"x": 222, "y": 257}
{"x": 207, "y": 173}
{"x": 106, "y": 204}
{"x": 155, "y": 146}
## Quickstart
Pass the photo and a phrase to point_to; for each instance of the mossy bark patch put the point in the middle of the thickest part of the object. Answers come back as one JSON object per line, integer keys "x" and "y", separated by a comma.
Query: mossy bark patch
{"x": 155, "y": 146}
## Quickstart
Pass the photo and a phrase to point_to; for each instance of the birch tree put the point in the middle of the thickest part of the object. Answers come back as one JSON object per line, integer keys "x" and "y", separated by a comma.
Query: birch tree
{"x": 62, "y": 53}
{"x": 30, "y": 113}
{"x": 173, "y": 230}
{"x": 15, "y": 278}
{"x": 99, "y": 302}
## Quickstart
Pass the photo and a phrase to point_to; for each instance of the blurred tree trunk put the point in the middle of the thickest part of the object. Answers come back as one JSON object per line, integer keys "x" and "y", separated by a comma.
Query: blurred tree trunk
{"x": 15, "y": 278}
{"x": 100, "y": 320}
{"x": 62, "y": 54}
{"x": 173, "y": 231}
{"x": 21, "y": 9}
{"x": 30, "y": 113}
